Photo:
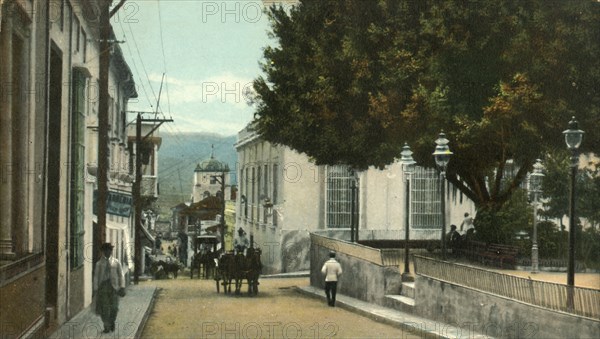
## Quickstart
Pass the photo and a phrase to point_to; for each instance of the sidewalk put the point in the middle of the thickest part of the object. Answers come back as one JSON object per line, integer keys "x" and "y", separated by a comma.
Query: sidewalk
{"x": 408, "y": 322}
{"x": 134, "y": 309}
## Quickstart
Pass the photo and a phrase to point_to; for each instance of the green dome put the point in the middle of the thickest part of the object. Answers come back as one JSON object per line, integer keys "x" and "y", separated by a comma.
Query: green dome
{"x": 212, "y": 165}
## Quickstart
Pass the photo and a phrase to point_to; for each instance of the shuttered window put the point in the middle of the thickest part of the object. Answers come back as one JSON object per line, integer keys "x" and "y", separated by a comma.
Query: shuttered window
{"x": 425, "y": 199}
{"x": 77, "y": 168}
{"x": 339, "y": 196}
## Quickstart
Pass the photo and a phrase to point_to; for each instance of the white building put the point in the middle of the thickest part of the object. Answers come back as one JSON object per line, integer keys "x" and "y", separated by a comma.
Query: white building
{"x": 207, "y": 179}
{"x": 284, "y": 196}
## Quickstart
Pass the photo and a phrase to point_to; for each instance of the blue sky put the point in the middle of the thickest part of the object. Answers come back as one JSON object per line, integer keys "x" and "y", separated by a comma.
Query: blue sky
{"x": 211, "y": 53}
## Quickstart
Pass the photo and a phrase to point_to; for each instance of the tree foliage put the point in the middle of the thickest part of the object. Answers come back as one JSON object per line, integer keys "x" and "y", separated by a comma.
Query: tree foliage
{"x": 351, "y": 81}
{"x": 556, "y": 189}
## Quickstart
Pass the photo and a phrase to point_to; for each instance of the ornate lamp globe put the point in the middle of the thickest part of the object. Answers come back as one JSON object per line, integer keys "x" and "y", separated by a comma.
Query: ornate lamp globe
{"x": 407, "y": 160}
{"x": 442, "y": 152}
{"x": 573, "y": 135}
{"x": 537, "y": 175}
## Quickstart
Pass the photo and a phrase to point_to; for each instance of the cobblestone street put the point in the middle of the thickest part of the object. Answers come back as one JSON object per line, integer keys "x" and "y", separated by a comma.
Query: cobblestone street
{"x": 191, "y": 308}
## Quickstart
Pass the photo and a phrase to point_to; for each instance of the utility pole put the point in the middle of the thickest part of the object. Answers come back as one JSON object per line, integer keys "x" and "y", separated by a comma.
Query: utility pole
{"x": 137, "y": 193}
{"x": 100, "y": 230}
{"x": 221, "y": 179}
{"x": 137, "y": 187}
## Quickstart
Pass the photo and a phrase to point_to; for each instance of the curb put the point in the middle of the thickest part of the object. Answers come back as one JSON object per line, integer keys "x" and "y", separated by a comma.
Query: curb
{"x": 378, "y": 318}
{"x": 146, "y": 316}
{"x": 287, "y": 275}
{"x": 408, "y": 326}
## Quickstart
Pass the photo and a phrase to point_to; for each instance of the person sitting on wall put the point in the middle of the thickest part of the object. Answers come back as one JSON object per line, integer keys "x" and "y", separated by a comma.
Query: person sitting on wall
{"x": 467, "y": 224}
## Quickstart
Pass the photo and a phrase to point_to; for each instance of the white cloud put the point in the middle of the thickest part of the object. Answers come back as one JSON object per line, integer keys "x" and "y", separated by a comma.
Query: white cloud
{"x": 214, "y": 104}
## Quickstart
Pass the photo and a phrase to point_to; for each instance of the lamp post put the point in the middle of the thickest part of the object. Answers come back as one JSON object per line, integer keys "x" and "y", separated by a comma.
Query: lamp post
{"x": 407, "y": 167}
{"x": 353, "y": 221}
{"x": 442, "y": 157}
{"x": 573, "y": 138}
{"x": 536, "y": 184}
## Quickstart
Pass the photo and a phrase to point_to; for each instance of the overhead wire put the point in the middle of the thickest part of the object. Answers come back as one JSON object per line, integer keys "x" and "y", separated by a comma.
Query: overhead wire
{"x": 178, "y": 136}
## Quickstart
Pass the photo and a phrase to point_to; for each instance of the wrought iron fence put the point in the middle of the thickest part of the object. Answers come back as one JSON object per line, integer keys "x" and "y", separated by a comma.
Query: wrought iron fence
{"x": 586, "y": 301}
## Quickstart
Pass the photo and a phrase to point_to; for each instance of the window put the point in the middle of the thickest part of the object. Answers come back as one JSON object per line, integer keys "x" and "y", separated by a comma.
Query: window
{"x": 259, "y": 192}
{"x": 76, "y": 33}
{"x": 253, "y": 196}
{"x": 84, "y": 42}
{"x": 275, "y": 182}
{"x": 246, "y": 194}
{"x": 339, "y": 196}
{"x": 77, "y": 168}
{"x": 15, "y": 231}
{"x": 275, "y": 188}
{"x": 425, "y": 199}
{"x": 265, "y": 191}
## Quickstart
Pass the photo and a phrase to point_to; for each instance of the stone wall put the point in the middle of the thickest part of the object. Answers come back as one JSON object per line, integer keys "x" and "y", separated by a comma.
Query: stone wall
{"x": 473, "y": 310}
{"x": 361, "y": 279}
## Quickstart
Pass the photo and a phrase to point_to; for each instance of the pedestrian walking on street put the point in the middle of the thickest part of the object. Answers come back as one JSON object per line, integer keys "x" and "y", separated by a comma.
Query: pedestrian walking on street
{"x": 332, "y": 271}
{"x": 109, "y": 285}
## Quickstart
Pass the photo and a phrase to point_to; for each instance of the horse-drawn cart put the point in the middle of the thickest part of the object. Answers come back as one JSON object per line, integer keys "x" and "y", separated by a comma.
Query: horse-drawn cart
{"x": 205, "y": 253}
{"x": 234, "y": 268}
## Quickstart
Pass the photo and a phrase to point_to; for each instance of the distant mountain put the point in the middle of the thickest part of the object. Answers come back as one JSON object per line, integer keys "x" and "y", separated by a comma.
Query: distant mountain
{"x": 177, "y": 158}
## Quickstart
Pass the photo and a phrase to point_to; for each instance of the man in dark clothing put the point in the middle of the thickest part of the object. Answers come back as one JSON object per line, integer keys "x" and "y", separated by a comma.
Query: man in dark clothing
{"x": 454, "y": 238}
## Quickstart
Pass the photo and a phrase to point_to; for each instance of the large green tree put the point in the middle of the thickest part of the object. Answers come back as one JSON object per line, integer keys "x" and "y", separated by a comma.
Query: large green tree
{"x": 555, "y": 189}
{"x": 351, "y": 81}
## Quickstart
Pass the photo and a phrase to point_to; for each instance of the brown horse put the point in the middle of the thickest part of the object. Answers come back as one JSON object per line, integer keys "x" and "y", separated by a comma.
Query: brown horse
{"x": 224, "y": 272}
{"x": 204, "y": 264}
{"x": 248, "y": 268}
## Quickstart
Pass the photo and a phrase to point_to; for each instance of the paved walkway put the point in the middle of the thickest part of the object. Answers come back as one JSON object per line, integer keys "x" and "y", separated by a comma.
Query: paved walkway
{"x": 407, "y": 322}
{"x": 134, "y": 309}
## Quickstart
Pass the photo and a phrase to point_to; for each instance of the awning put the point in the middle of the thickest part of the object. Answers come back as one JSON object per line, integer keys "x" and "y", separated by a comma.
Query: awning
{"x": 126, "y": 240}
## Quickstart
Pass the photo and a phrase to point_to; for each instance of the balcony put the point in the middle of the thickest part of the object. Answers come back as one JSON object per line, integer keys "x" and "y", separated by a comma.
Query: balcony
{"x": 149, "y": 186}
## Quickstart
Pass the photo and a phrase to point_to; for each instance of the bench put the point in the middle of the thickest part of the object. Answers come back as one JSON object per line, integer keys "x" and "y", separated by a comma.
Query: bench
{"x": 489, "y": 253}
{"x": 501, "y": 254}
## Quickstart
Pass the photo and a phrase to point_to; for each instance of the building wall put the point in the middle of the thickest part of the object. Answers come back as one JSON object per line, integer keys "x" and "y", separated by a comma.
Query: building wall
{"x": 281, "y": 231}
{"x": 59, "y": 39}
{"x": 23, "y": 304}
{"x": 74, "y": 36}
{"x": 301, "y": 203}
{"x": 22, "y": 157}
{"x": 361, "y": 278}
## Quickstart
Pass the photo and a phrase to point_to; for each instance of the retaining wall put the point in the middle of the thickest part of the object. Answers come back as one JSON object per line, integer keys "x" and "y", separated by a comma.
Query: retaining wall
{"x": 364, "y": 276}
{"x": 494, "y": 315}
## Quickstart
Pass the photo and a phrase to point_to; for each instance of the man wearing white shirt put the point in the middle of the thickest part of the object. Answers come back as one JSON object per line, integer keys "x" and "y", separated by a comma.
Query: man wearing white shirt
{"x": 332, "y": 270}
{"x": 466, "y": 225}
{"x": 109, "y": 284}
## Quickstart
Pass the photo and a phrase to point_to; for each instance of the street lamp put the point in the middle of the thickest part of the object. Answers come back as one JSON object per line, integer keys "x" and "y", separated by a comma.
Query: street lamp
{"x": 573, "y": 138}
{"x": 408, "y": 164}
{"x": 442, "y": 157}
{"x": 535, "y": 181}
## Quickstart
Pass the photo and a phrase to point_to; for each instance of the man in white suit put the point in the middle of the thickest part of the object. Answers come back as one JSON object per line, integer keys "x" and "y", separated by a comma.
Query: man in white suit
{"x": 332, "y": 271}
{"x": 109, "y": 284}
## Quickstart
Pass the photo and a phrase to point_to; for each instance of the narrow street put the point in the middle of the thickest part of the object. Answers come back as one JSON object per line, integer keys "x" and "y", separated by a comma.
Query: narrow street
{"x": 191, "y": 308}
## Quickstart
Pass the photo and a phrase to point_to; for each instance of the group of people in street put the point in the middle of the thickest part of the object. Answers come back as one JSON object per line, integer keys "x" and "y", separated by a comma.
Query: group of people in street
{"x": 109, "y": 280}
